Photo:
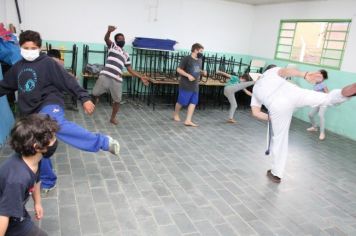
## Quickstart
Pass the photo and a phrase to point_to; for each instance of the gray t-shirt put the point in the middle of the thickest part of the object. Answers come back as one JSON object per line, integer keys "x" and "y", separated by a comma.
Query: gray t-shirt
{"x": 191, "y": 66}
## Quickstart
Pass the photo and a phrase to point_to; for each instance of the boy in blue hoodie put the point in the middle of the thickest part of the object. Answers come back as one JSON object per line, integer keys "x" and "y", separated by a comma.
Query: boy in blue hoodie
{"x": 40, "y": 82}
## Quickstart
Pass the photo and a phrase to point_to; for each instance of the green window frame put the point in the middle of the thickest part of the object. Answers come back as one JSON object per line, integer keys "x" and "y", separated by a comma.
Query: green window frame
{"x": 333, "y": 48}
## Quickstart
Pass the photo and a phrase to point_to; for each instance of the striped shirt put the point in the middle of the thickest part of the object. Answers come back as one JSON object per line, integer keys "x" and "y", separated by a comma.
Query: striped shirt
{"x": 117, "y": 59}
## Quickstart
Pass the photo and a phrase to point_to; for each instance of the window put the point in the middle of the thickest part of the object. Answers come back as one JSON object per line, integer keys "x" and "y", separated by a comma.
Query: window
{"x": 316, "y": 42}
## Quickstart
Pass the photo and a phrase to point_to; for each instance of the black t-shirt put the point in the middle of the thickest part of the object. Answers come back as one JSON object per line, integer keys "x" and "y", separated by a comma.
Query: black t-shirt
{"x": 191, "y": 66}
{"x": 17, "y": 182}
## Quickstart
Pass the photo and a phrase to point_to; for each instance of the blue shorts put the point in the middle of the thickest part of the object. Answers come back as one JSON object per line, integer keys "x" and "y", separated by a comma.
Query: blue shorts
{"x": 187, "y": 97}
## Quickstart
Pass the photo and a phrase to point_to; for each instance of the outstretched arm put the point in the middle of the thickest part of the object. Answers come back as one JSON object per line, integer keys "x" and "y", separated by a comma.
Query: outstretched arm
{"x": 349, "y": 90}
{"x": 311, "y": 77}
{"x": 143, "y": 78}
{"x": 223, "y": 74}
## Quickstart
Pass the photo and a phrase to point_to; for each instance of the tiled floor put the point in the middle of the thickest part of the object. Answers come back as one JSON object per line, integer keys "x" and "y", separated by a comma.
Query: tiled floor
{"x": 211, "y": 180}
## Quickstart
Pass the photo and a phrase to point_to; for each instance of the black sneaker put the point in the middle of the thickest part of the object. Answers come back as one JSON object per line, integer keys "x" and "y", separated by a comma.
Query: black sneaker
{"x": 273, "y": 177}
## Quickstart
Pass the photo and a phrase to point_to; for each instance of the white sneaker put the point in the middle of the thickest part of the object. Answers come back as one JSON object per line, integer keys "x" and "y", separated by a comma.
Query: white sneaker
{"x": 114, "y": 146}
{"x": 312, "y": 129}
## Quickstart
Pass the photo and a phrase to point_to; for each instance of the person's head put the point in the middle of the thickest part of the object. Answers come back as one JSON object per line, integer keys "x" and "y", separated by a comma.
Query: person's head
{"x": 120, "y": 40}
{"x": 245, "y": 77}
{"x": 270, "y": 66}
{"x": 324, "y": 74}
{"x": 30, "y": 43}
{"x": 33, "y": 134}
{"x": 197, "y": 50}
{"x": 56, "y": 55}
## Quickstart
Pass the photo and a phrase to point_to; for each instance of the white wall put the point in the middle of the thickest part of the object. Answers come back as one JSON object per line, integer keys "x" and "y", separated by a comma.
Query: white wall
{"x": 218, "y": 25}
{"x": 2, "y": 11}
{"x": 267, "y": 19}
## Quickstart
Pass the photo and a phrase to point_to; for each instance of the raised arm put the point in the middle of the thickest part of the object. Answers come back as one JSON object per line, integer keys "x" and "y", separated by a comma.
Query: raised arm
{"x": 311, "y": 77}
{"x": 107, "y": 35}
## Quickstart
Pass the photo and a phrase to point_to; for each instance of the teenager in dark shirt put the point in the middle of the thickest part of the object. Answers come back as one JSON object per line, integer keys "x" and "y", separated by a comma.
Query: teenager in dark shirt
{"x": 189, "y": 69}
{"x": 40, "y": 82}
{"x": 32, "y": 138}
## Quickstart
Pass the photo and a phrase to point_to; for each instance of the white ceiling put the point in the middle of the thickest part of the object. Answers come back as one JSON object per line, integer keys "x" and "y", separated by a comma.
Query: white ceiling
{"x": 266, "y": 2}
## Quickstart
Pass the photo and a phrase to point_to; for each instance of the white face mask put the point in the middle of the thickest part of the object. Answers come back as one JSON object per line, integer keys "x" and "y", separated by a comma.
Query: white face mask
{"x": 30, "y": 55}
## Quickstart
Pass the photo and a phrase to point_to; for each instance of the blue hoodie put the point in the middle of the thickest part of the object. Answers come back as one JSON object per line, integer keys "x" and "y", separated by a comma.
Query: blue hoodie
{"x": 39, "y": 83}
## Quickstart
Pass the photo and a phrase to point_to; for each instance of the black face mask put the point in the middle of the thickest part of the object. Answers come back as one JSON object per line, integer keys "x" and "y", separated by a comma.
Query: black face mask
{"x": 50, "y": 150}
{"x": 199, "y": 55}
{"x": 120, "y": 43}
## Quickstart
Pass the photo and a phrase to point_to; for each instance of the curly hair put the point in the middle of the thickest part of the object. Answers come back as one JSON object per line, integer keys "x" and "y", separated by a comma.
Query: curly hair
{"x": 32, "y": 132}
{"x": 30, "y": 36}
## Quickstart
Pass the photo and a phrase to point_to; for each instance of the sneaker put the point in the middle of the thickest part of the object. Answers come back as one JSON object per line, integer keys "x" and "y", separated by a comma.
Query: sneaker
{"x": 322, "y": 136}
{"x": 114, "y": 146}
{"x": 312, "y": 129}
{"x": 273, "y": 177}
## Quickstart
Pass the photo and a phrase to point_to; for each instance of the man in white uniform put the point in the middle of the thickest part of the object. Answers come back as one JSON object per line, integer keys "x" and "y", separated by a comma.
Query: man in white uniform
{"x": 281, "y": 98}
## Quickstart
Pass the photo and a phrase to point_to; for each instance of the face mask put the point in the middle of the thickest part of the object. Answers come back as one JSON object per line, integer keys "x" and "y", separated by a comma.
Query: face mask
{"x": 50, "y": 150}
{"x": 199, "y": 55}
{"x": 30, "y": 55}
{"x": 120, "y": 43}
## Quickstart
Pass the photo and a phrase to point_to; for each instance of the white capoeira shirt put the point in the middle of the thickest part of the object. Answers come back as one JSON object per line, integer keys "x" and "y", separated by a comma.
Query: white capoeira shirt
{"x": 266, "y": 87}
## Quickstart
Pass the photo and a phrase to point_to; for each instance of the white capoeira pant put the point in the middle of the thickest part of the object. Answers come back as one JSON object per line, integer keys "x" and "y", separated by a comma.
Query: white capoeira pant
{"x": 229, "y": 92}
{"x": 281, "y": 99}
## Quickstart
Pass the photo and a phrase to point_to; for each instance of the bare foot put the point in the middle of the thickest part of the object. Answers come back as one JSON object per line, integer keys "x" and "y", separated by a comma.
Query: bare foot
{"x": 114, "y": 121}
{"x": 312, "y": 129}
{"x": 176, "y": 117}
{"x": 231, "y": 121}
{"x": 322, "y": 136}
{"x": 191, "y": 124}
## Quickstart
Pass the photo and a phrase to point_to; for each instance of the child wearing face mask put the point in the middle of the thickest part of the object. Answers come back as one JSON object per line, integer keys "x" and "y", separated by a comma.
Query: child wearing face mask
{"x": 32, "y": 138}
{"x": 110, "y": 78}
{"x": 40, "y": 82}
{"x": 234, "y": 85}
{"x": 189, "y": 69}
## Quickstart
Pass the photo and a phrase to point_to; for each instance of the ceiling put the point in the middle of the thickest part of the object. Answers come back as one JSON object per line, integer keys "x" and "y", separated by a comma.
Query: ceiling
{"x": 266, "y": 2}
